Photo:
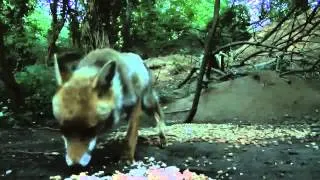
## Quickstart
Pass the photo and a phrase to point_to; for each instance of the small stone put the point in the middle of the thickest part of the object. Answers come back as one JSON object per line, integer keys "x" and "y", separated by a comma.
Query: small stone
{"x": 307, "y": 117}
{"x": 151, "y": 159}
{"x": 220, "y": 172}
{"x": 237, "y": 146}
{"x": 316, "y": 147}
{"x": 8, "y": 172}
{"x": 230, "y": 154}
{"x": 275, "y": 143}
{"x": 55, "y": 177}
{"x": 83, "y": 173}
{"x": 163, "y": 164}
{"x": 54, "y": 153}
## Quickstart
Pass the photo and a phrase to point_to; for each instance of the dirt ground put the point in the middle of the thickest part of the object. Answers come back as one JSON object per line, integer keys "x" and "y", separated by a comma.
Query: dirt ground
{"x": 38, "y": 154}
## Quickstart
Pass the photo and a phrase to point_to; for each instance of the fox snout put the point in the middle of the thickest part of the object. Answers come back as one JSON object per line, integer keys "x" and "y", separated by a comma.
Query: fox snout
{"x": 78, "y": 151}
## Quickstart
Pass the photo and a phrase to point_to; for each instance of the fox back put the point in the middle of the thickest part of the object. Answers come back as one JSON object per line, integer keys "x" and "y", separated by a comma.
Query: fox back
{"x": 91, "y": 99}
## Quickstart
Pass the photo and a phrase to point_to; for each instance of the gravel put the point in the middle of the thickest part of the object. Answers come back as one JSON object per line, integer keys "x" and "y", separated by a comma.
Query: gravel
{"x": 228, "y": 133}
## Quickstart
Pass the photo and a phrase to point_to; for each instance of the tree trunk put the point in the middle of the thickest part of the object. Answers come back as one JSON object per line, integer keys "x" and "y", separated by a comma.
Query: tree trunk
{"x": 209, "y": 47}
{"x": 56, "y": 26}
{"x": 53, "y": 36}
{"x": 126, "y": 27}
{"x": 74, "y": 28}
{"x": 7, "y": 76}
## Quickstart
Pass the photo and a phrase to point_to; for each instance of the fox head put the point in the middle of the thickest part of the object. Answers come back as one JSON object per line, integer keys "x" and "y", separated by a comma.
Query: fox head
{"x": 84, "y": 104}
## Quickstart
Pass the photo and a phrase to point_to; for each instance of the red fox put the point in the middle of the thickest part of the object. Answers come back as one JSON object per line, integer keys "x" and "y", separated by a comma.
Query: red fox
{"x": 105, "y": 85}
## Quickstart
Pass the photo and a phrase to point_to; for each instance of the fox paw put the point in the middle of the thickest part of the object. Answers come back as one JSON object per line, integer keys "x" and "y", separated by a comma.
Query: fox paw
{"x": 162, "y": 141}
{"x": 127, "y": 159}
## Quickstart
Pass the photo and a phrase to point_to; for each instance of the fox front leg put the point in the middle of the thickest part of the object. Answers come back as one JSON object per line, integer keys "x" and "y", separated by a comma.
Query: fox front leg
{"x": 152, "y": 108}
{"x": 161, "y": 126}
{"x": 132, "y": 133}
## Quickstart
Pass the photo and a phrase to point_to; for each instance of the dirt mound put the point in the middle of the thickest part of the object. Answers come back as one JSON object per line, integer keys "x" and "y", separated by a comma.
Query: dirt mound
{"x": 261, "y": 97}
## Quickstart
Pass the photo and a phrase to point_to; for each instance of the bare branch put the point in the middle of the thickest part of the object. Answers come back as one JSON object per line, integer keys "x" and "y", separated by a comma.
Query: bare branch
{"x": 312, "y": 68}
{"x": 209, "y": 46}
{"x": 193, "y": 70}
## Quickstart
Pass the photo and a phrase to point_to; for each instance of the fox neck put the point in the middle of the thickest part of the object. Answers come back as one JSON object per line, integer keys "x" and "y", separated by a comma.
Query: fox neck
{"x": 118, "y": 97}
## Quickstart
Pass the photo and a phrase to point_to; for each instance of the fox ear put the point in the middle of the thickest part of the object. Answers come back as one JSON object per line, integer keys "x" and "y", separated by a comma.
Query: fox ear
{"x": 104, "y": 78}
{"x": 57, "y": 70}
{"x": 65, "y": 65}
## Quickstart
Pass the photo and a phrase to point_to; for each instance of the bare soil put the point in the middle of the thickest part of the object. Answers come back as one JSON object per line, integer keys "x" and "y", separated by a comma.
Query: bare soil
{"x": 38, "y": 154}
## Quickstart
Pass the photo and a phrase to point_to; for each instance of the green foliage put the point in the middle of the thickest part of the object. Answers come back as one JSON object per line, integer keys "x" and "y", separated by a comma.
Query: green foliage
{"x": 178, "y": 67}
{"x": 195, "y": 14}
{"x": 160, "y": 24}
{"x": 278, "y": 10}
{"x": 38, "y": 22}
{"x": 28, "y": 24}
{"x": 37, "y": 25}
{"x": 12, "y": 12}
{"x": 234, "y": 24}
{"x": 39, "y": 84}
{"x": 6, "y": 116}
{"x": 17, "y": 41}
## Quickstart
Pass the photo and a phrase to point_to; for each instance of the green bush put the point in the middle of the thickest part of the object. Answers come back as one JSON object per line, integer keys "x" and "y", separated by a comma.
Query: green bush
{"x": 39, "y": 85}
{"x": 159, "y": 25}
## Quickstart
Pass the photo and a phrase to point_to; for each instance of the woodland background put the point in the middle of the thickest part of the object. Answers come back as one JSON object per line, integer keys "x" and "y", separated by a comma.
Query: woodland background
{"x": 32, "y": 30}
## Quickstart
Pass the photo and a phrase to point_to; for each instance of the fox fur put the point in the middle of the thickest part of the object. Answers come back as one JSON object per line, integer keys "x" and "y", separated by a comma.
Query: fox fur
{"x": 91, "y": 99}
